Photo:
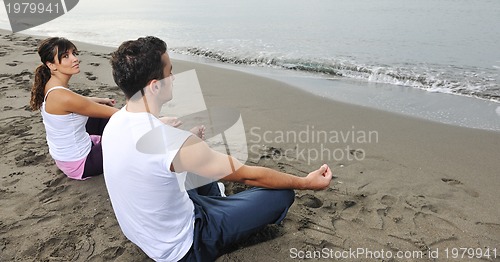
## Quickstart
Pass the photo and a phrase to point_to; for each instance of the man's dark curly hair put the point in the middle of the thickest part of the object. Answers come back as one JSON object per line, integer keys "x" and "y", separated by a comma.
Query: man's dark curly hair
{"x": 136, "y": 62}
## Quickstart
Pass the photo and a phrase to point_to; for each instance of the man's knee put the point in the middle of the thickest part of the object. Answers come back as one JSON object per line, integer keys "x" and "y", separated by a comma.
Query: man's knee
{"x": 287, "y": 196}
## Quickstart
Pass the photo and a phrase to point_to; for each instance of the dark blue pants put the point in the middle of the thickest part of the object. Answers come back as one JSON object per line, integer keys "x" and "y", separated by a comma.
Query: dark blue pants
{"x": 93, "y": 163}
{"x": 221, "y": 221}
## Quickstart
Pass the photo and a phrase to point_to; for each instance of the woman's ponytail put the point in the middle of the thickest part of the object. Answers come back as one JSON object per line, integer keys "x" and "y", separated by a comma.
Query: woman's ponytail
{"x": 42, "y": 76}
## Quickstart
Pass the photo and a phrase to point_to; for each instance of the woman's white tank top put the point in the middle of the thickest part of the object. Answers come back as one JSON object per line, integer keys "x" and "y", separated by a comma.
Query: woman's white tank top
{"x": 66, "y": 135}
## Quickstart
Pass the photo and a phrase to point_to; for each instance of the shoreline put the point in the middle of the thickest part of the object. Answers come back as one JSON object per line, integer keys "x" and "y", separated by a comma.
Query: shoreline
{"x": 445, "y": 108}
{"x": 421, "y": 186}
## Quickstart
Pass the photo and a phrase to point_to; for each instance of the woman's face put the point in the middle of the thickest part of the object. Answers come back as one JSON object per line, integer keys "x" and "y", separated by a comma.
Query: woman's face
{"x": 69, "y": 63}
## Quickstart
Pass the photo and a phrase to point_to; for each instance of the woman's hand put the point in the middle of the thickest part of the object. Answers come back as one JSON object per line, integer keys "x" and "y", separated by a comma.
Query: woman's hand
{"x": 104, "y": 101}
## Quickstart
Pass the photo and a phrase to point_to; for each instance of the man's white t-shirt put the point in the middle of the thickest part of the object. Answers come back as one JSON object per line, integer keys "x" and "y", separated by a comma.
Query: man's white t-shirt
{"x": 150, "y": 203}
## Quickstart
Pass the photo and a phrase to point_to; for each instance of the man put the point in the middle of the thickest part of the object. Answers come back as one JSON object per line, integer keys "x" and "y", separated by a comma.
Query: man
{"x": 152, "y": 207}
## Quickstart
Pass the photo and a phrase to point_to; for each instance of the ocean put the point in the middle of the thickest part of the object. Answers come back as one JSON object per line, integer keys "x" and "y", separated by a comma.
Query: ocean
{"x": 404, "y": 52}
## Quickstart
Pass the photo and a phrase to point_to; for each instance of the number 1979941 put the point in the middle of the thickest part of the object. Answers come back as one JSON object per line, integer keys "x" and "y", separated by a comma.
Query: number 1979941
{"x": 33, "y": 8}
{"x": 462, "y": 253}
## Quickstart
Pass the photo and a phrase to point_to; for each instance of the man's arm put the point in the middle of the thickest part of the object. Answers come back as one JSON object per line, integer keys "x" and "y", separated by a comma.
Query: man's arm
{"x": 196, "y": 156}
{"x": 269, "y": 178}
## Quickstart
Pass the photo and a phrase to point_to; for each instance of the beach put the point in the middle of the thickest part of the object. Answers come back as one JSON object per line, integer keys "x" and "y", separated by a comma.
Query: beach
{"x": 401, "y": 185}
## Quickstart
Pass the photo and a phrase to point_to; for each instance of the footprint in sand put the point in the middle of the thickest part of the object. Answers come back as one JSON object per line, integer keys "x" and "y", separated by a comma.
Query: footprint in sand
{"x": 57, "y": 247}
{"x": 4, "y": 192}
{"x": 268, "y": 155}
{"x": 451, "y": 181}
{"x": 85, "y": 248}
{"x": 434, "y": 229}
{"x": 4, "y": 50}
{"x": 368, "y": 215}
{"x": 48, "y": 195}
{"x": 492, "y": 228}
{"x": 111, "y": 253}
{"x": 10, "y": 182}
{"x": 17, "y": 129}
{"x": 388, "y": 200}
{"x": 90, "y": 76}
{"x": 420, "y": 203}
{"x": 349, "y": 203}
{"x": 358, "y": 154}
{"x": 311, "y": 201}
{"x": 29, "y": 157}
{"x": 458, "y": 184}
{"x": 29, "y": 52}
{"x": 56, "y": 181}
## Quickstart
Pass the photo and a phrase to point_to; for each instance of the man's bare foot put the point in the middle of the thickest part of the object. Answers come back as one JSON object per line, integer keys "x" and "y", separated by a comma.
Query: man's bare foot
{"x": 171, "y": 121}
{"x": 199, "y": 131}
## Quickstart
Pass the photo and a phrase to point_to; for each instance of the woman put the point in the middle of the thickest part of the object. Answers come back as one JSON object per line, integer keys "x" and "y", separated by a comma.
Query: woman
{"x": 73, "y": 123}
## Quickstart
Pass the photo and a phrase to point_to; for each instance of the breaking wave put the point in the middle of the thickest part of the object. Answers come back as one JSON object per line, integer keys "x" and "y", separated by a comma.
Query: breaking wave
{"x": 436, "y": 78}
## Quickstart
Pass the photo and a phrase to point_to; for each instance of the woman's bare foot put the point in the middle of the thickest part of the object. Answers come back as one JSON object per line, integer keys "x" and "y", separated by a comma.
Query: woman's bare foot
{"x": 199, "y": 131}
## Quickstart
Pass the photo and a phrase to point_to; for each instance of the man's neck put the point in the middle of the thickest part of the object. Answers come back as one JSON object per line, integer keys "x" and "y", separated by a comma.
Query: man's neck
{"x": 143, "y": 105}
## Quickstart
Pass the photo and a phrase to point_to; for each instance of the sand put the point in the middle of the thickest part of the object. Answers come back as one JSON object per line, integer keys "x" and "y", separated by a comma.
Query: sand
{"x": 401, "y": 184}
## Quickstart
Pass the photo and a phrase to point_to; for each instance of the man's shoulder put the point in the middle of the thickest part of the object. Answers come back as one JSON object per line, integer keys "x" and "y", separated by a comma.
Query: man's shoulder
{"x": 115, "y": 119}
{"x": 119, "y": 114}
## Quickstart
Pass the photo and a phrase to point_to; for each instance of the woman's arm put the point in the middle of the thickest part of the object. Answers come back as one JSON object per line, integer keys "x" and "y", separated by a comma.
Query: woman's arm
{"x": 75, "y": 103}
{"x": 104, "y": 101}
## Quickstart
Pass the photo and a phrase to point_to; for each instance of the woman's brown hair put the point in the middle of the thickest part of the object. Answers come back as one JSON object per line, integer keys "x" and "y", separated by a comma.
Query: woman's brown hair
{"x": 47, "y": 50}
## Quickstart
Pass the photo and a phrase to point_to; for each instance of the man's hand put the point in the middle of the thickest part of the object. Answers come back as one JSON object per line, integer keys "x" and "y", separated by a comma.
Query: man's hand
{"x": 199, "y": 131}
{"x": 319, "y": 179}
{"x": 171, "y": 121}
